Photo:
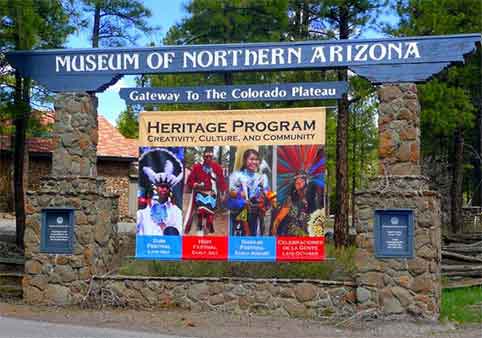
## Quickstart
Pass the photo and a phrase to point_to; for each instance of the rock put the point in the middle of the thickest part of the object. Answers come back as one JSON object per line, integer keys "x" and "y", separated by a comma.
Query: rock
{"x": 65, "y": 272}
{"x": 260, "y": 309}
{"x": 404, "y": 152}
{"x": 243, "y": 302}
{"x": 262, "y": 296}
{"x": 33, "y": 267}
{"x": 150, "y": 295}
{"x": 239, "y": 290}
{"x": 217, "y": 299}
{"x": 362, "y": 295}
{"x": 198, "y": 291}
{"x": 417, "y": 266}
{"x": 388, "y": 93}
{"x": 287, "y": 292}
{"x": 39, "y": 281}
{"x": 422, "y": 284}
{"x": 305, "y": 292}
{"x": 403, "y": 295}
{"x": 295, "y": 309}
{"x": 404, "y": 281}
{"x": 386, "y": 144}
{"x": 391, "y": 305}
{"x": 215, "y": 288}
{"x": 32, "y": 295}
{"x": 58, "y": 295}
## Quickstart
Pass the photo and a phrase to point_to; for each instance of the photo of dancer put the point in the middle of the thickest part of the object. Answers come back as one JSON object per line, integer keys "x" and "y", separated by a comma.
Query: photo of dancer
{"x": 250, "y": 196}
{"x": 205, "y": 192}
{"x": 301, "y": 182}
{"x": 160, "y": 177}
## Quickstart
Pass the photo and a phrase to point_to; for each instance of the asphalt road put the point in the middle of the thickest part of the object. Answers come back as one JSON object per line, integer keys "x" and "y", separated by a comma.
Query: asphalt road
{"x": 18, "y": 328}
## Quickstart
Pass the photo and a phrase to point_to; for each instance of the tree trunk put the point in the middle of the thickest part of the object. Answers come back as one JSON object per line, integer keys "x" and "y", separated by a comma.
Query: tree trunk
{"x": 479, "y": 159}
{"x": 341, "y": 193}
{"x": 456, "y": 191}
{"x": 96, "y": 28}
{"x": 21, "y": 99}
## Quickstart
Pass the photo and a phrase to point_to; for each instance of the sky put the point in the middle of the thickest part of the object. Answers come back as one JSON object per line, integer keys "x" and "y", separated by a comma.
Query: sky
{"x": 165, "y": 13}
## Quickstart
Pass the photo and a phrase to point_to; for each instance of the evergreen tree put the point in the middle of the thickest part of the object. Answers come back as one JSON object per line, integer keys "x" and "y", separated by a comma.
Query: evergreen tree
{"x": 127, "y": 123}
{"x": 116, "y": 22}
{"x": 346, "y": 18}
{"x": 451, "y": 102}
{"x": 25, "y": 25}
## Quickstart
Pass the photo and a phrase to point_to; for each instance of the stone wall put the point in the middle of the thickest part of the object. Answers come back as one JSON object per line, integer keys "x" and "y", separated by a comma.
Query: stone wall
{"x": 404, "y": 287}
{"x": 38, "y": 167}
{"x": 399, "y": 130}
{"x": 6, "y": 183}
{"x": 116, "y": 174}
{"x": 73, "y": 184}
{"x": 48, "y": 278}
{"x": 117, "y": 182}
{"x": 75, "y": 134}
{"x": 295, "y": 298}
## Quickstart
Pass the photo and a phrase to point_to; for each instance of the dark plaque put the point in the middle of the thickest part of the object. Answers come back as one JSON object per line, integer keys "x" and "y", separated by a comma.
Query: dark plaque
{"x": 394, "y": 233}
{"x": 57, "y": 231}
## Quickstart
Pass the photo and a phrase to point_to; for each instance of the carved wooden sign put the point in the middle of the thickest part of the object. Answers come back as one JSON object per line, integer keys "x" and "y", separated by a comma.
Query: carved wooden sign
{"x": 410, "y": 59}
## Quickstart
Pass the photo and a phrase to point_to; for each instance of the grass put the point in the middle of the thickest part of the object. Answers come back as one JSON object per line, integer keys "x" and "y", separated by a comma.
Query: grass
{"x": 462, "y": 305}
{"x": 338, "y": 266}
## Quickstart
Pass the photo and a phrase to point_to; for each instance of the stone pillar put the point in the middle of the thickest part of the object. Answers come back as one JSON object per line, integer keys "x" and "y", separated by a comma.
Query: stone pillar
{"x": 57, "y": 278}
{"x": 399, "y": 287}
{"x": 399, "y": 130}
{"x": 76, "y": 135}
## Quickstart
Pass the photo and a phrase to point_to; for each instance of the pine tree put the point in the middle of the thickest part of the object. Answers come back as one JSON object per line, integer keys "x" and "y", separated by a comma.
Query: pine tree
{"x": 451, "y": 102}
{"x": 25, "y": 25}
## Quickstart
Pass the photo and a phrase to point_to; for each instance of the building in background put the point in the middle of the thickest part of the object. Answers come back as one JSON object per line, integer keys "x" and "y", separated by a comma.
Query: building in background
{"x": 116, "y": 162}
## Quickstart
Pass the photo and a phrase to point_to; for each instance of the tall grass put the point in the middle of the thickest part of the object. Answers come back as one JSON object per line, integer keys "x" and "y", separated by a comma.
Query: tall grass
{"x": 338, "y": 266}
{"x": 462, "y": 305}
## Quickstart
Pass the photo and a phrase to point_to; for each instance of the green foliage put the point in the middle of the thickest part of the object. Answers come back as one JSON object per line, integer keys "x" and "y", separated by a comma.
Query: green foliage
{"x": 127, "y": 123}
{"x": 445, "y": 108}
{"x": 214, "y": 21}
{"x": 339, "y": 266}
{"x": 462, "y": 305}
{"x": 451, "y": 103}
{"x": 436, "y": 17}
{"x": 116, "y": 22}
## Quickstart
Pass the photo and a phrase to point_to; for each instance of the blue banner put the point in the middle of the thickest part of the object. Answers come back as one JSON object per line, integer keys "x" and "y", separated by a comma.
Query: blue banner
{"x": 159, "y": 247}
{"x": 249, "y": 248}
{"x": 264, "y": 92}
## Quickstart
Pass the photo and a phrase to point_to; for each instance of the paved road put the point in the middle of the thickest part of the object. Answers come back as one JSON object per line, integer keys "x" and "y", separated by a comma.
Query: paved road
{"x": 18, "y": 328}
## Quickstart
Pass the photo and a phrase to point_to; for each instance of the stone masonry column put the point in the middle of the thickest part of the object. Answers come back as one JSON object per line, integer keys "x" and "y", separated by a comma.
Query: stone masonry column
{"x": 399, "y": 130}
{"x": 403, "y": 287}
{"x": 76, "y": 135}
{"x": 61, "y": 279}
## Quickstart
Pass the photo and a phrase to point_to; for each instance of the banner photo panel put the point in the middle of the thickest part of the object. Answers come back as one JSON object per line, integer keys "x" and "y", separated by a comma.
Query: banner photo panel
{"x": 239, "y": 185}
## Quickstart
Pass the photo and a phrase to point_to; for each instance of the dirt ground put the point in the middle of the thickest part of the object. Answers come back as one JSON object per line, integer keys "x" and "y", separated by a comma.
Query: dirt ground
{"x": 217, "y": 325}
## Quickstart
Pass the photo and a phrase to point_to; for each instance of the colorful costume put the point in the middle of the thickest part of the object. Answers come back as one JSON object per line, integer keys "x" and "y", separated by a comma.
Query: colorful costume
{"x": 207, "y": 182}
{"x": 248, "y": 202}
{"x": 160, "y": 215}
{"x": 159, "y": 219}
{"x": 307, "y": 163}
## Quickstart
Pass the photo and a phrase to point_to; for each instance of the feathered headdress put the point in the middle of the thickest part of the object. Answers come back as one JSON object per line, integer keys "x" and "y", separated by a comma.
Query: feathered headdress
{"x": 304, "y": 161}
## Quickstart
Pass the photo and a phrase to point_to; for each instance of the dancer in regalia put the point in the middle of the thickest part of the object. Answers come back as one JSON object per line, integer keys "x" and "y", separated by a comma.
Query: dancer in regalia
{"x": 207, "y": 182}
{"x": 250, "y": 197}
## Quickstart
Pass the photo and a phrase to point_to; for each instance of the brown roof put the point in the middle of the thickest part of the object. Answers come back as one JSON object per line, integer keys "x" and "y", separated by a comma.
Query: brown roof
{"x": 111, "y": 142}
